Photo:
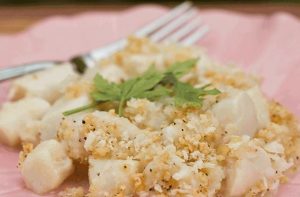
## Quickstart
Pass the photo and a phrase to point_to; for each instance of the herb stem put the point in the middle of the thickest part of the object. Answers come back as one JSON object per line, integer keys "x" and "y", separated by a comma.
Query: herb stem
{"x": 79, "y": 109}
{"x": 121, "y": 107}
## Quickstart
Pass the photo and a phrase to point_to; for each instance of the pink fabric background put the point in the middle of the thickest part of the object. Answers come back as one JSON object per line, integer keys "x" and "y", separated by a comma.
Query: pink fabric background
{"x": 269, "y": 46}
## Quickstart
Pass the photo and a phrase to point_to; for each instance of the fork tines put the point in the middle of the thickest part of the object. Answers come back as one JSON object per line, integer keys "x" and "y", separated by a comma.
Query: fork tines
{"x": 182, "y": 24}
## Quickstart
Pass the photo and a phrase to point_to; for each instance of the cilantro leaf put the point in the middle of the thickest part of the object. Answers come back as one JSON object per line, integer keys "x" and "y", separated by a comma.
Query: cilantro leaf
{"x": 186, "y": 95}
{"x": 103, "y": 97}
{"x": 103, "y": 86}
{"x": 159, "y": 91}
{"x": 137, "y": 87}
{"x": 179, "y": 69}
{"x": 203, "y": 91}
{"x": 144, "y": 83}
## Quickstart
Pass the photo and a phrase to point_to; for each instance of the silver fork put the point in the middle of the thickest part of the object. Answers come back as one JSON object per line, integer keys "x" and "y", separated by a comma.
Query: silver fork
{"x": 178, "y": 25}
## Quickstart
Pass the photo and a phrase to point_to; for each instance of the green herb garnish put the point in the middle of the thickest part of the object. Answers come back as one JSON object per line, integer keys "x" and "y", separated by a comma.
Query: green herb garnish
{"x": 79, "y": 109}
{"x": 151, "y": 85}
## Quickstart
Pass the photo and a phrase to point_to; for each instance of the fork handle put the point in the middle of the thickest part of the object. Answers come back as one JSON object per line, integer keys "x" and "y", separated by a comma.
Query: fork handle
{"x": 17, "y": 71}
{"x": 88, "y": 60}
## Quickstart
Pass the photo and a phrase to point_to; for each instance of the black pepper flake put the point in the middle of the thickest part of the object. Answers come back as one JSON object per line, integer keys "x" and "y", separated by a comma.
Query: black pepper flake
{"x": 297, "y": 157}
{"x": 74, "y": 121}
{"x": 174, "y": 123}
{"x": 98, "y": 174}
{"x": 125, "y": 166}
{"x": 84, "y": 138}
{"x": 276, "y": 172}
{"x": 83, "y": 121}
{"x": 206, "y": 174}
{"x": 226, "y": 132}
{"x": 182, "y": 129}
{"x": 79, "y": 140}
{"x": 150, "y": 170}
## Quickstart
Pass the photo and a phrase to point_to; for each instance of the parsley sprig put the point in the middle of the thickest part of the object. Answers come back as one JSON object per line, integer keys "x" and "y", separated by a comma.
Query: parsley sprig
{"x": 151, "y": 85}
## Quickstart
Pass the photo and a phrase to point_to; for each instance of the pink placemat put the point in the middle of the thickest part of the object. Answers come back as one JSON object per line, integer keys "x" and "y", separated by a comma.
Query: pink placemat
{"x": 267, "y": 45}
